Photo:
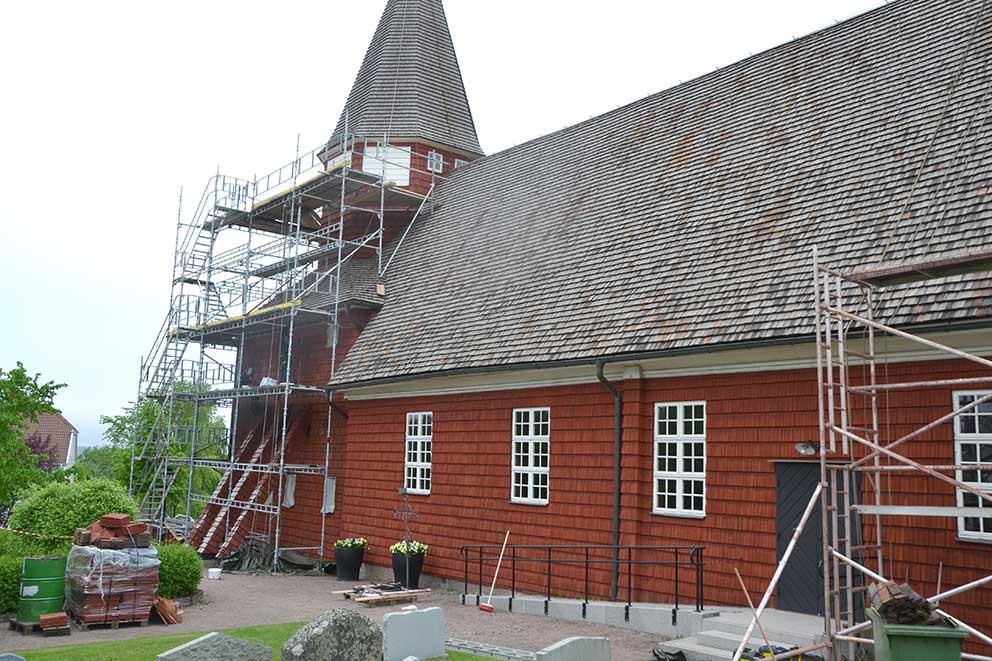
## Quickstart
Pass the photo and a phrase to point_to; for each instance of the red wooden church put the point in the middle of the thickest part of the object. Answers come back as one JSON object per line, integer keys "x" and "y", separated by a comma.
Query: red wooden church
{"x": 607, "y": 336}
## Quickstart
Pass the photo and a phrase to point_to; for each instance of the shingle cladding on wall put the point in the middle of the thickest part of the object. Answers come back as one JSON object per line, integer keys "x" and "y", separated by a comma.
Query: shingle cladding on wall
{"x": 753, "y": 420}
{"x": 687, "y": 219}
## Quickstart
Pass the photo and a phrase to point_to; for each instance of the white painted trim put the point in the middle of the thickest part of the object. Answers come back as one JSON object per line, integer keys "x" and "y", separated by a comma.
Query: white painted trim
{"x": 70, "y": 453}
{"x": 680, "y": 475}
{"x": 537, "y": 378}
{"x": 531, "y": 469}
{"x": 959, "y": 438}
{"x": 418, "y": 439}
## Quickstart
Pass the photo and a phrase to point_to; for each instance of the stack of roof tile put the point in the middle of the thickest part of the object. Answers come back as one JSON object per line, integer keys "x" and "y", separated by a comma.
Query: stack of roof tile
{"x": 114, "y": 531}
{"x": 112, "y": 575}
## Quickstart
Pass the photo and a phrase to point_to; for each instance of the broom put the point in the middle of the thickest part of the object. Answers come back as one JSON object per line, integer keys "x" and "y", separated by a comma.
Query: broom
{"x": 488, "y": 606}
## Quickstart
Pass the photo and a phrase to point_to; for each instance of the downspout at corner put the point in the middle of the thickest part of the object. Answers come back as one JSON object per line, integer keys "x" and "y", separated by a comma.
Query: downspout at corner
{"x": 617, "y": 446}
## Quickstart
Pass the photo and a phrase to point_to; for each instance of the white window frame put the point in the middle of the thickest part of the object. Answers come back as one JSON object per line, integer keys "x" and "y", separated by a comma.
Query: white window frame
{"x": 460, "y": 162}
{"x": 418, "y": 453}
{"x": 682, "y": 472}
{"x": 530, "y": 455}
{"x": 978, "y": 438}
{"x": 435, "y": 162}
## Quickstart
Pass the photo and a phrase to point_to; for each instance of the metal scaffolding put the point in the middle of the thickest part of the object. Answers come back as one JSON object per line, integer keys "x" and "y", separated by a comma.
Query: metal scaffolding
{"x": 259, "y": 257}
{"x": 852, "y": 446}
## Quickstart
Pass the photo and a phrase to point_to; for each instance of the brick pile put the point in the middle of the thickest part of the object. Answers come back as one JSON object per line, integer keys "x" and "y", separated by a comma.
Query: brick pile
{"x": 114, "y": 531}
{"x": 113, "y": 576}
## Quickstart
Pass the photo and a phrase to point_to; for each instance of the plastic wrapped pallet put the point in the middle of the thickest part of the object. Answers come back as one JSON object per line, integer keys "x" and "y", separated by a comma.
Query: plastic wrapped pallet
{"x": 104, "y": 586}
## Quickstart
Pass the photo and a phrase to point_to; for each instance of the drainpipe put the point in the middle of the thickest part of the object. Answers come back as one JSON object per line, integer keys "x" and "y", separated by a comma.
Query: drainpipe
{"x": 617, "y": 443}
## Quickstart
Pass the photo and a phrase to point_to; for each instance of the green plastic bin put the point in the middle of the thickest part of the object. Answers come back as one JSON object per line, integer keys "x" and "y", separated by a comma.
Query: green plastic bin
{"x": 42, "y": 587}
{"x": 904, "y": 642}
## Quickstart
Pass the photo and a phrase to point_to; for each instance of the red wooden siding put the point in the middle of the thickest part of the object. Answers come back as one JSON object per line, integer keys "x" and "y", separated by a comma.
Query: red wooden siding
{"x": 753, "y": 419}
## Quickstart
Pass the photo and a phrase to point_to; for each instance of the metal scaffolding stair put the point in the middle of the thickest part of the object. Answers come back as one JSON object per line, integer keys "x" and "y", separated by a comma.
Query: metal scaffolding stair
{"x": 255, "y": 257}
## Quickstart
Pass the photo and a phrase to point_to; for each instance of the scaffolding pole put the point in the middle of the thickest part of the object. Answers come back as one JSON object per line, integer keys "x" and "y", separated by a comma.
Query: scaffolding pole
{"x": 230, "y": 287}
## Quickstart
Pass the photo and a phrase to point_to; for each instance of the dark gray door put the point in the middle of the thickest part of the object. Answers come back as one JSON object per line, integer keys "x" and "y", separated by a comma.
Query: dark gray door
{"x": 800, "y": 588}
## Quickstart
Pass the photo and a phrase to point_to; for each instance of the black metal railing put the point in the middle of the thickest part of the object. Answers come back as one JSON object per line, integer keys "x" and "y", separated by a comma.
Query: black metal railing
{"x": 624, "y": 557}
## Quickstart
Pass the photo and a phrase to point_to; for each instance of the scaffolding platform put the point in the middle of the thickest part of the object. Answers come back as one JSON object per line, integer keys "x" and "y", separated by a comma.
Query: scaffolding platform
{"x": 250, "y": 467}
{"x": 319, "y": 191}
{"x": 258, "y": 257}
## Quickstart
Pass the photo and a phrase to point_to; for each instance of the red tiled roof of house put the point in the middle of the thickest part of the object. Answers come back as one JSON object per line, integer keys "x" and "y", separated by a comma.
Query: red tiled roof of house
{"x": 57, "y": 431}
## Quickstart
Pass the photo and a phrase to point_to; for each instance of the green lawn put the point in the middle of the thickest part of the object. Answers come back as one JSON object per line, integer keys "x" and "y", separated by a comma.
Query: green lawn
{"x": 146, "y": 649}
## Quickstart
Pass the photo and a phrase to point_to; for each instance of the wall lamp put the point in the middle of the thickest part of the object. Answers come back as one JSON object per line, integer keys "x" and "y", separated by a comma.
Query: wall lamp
{"x": 807, "y": 448}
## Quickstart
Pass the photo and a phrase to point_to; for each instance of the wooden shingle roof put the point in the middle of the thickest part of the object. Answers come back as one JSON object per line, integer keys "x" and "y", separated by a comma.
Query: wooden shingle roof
{"x": 409, "y": 85}
{"x": 686, "y": 220}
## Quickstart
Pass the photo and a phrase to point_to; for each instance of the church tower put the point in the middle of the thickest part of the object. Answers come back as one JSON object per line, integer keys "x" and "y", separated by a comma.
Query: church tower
{"x": 407, "y": 115}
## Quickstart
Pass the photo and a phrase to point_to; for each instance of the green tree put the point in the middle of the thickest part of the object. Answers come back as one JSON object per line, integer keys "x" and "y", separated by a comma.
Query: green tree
{"x": 105, "y": 461}
{"x": 22, "y": 399}
{"x": 135, "y": 423}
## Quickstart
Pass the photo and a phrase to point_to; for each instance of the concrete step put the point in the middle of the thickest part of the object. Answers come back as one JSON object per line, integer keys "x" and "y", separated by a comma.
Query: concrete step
{"x": 729, "y": 641}
{"x": 787, "y": 637}
{"x": 695, "y": 651}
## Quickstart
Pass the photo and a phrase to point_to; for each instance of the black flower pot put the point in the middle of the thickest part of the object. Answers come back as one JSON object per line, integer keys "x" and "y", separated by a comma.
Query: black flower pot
{"x": 349, "y": 562}
{"x": 400, "y": 569}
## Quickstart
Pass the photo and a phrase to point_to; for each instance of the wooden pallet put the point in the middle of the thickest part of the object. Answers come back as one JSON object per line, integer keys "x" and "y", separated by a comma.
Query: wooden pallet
{"x": 370, "y": 595}
{"x": 86, "y": 626}
{"x": 56, "y": 631}
{"x": 26, "y": 628}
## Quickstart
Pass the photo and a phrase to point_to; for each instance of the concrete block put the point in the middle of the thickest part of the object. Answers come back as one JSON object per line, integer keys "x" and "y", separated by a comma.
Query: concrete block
{"x": 565, "y": 609}
{"x": 652, "y": 619}
{"x": 528, "y": 605}
{"x": 615, "y": 615}
{"x": 417, "y": 632}
{"x": 499, "y": 603}
{"x": 596, "y": 612}
{"x": 217, "y": 647}
{"x": 577, "y": 649}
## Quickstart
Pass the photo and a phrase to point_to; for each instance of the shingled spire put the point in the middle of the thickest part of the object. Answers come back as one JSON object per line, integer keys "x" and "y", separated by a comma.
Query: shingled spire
{"x": 410, "y": 86}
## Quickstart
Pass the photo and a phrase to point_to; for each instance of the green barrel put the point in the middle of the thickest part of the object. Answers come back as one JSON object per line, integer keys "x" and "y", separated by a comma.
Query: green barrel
{"x": 904, "y": 642}
{"x": 42, "y": 587}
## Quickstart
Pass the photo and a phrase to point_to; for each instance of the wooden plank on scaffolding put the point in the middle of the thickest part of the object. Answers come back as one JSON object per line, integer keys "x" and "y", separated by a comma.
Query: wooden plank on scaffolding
{"x": 912, "y": 510}
{"x": 886, "y": 275}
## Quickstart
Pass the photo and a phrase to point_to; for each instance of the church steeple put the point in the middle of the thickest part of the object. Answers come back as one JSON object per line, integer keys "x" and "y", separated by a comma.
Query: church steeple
{"x": 409, "y": 86}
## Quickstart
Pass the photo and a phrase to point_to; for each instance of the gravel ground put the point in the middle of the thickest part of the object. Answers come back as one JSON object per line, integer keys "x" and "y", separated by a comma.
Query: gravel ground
{"x": 243, "y": 601}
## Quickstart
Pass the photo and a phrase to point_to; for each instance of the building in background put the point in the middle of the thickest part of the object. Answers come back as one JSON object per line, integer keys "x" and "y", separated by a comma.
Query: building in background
{"x": 57, "y": 438}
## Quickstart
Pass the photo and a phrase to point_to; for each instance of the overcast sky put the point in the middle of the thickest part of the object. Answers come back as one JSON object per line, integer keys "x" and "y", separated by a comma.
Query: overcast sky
{"x": 110, "y": 107}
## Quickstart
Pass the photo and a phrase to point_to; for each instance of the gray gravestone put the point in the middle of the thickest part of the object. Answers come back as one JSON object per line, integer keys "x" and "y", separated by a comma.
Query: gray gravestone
{"x": 217, "y": 647}
{"x": 11, "y": 657}
{"x": 413, "y": 633}
{"x": 577, "y": 649}
{"x": 337, "y": 635}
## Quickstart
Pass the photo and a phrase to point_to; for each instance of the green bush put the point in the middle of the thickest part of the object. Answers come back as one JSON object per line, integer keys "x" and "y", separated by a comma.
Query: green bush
{"x": 10, "y": 582}
{"x": 20, "y": 546}
{"x": 180, "y": 572}
{"x": 58, "y": 508}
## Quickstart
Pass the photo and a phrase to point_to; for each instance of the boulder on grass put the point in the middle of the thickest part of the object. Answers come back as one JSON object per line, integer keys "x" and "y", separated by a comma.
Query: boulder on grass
{"x": 337, "y": 635}
{"x": 217, "y": 647}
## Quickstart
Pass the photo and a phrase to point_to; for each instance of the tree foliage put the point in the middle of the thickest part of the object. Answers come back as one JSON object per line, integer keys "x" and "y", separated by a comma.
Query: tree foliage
{"x": 105, "y": 461}
{"x": 22, "y": 399}
{"x": 43, "y": 451}
{"x": 127, "y": 431}
{"x": 58, "y": 508}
